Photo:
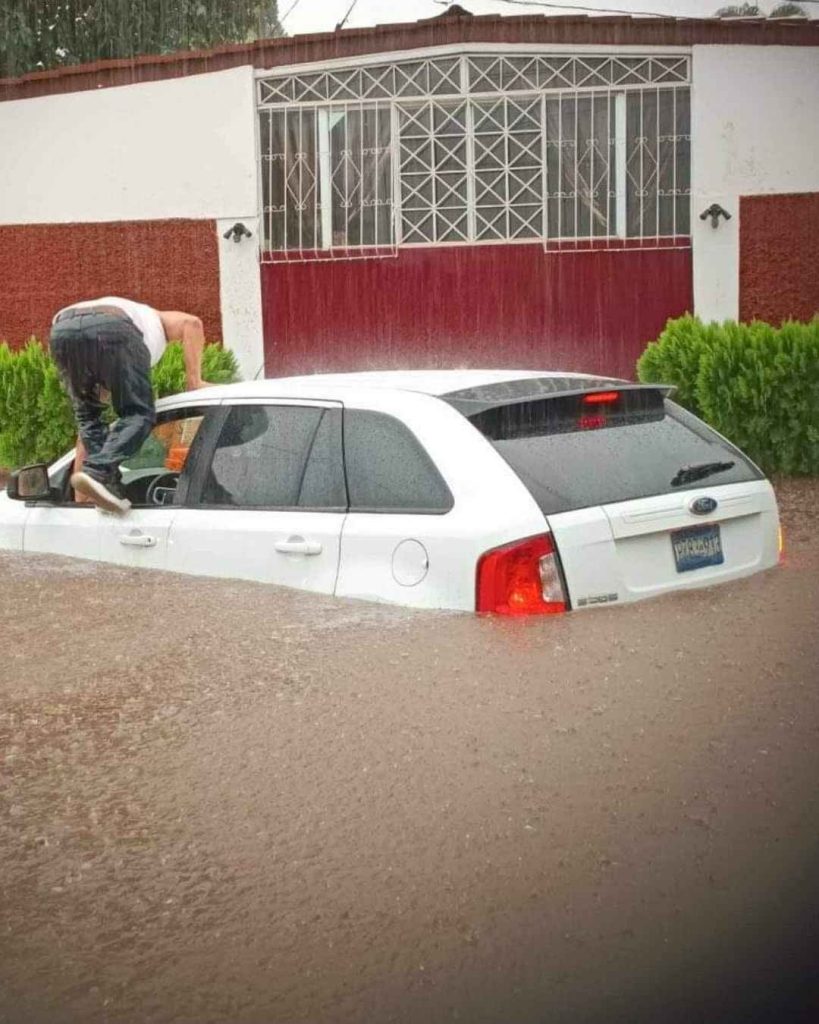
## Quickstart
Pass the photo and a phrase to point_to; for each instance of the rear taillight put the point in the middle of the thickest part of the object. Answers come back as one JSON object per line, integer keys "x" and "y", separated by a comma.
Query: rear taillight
{"x": 521, "y": 579}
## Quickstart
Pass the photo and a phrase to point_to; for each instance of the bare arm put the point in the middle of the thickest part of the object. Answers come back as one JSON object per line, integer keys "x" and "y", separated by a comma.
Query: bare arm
{"x": 187, "y": 329}
{"x": 193, "y": 342}
{"x": 79, "y": 459}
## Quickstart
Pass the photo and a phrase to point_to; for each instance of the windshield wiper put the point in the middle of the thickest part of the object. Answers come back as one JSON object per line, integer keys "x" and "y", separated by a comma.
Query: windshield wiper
{"x": 689, "y": 473}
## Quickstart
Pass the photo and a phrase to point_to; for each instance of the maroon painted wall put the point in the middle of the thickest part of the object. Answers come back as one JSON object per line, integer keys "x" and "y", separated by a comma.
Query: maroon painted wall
{"x": 779, "y": 257}
{"x": 491, "y": 306}
{"x": 170, "y": 264}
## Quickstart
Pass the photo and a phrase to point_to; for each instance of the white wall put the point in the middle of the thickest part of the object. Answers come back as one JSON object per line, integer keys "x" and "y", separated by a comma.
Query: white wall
{"x": 240, "y": 291}
{"x": 184, "y": 147}
{"x": 755, "y": 130}
{"x": 179, "y": 148}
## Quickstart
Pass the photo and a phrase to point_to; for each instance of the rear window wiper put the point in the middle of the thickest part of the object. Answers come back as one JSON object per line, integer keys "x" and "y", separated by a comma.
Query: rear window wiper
{"x": 689, "y": 473}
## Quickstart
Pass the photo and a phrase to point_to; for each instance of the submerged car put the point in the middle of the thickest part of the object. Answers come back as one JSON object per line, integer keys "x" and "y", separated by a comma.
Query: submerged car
{"x": 510, "y": 492}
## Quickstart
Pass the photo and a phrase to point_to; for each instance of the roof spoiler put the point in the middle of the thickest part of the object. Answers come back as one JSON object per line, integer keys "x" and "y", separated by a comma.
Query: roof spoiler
{"x": 473, "y": 406}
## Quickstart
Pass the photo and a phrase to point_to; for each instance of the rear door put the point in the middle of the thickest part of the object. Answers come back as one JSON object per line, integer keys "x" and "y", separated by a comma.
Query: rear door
{"x": 398, "y": 542}
{"x": 269, "y": 501}
{"x": 640, "y": 496}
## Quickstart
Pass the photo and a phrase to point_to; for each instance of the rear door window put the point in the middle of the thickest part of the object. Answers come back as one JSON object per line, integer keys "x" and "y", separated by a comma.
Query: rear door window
{"x": 387, "y": 468}
{"x": 277, "y": 456}
{"x": 579, "y": 451}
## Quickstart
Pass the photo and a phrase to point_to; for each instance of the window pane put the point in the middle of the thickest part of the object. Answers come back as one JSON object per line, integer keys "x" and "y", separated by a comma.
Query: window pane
{"x": 658, "y": 162}
{"x": 166, "y": 450}
{"x": 361, "y": 176}
{"x": 323, "y": 483}
{"x": 682, "y": 158}
{"x": 387, "y": 469}
{"x": 262, "y": 459}
{"x": 292, "y": 215}
{"x": 581, "y": 182}
{"x": 166, "y": 447}
{"x": 567, "y": 462}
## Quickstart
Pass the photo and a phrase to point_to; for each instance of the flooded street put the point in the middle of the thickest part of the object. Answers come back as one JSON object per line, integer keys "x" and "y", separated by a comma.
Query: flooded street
{"x": 223, "y": 802}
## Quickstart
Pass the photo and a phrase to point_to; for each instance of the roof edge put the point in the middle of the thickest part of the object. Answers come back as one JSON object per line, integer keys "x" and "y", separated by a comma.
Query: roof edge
{"x": 443, "y": 30}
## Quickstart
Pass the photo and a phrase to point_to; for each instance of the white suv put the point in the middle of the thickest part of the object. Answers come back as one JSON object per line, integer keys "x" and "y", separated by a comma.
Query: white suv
{"x": 512, "y": 492}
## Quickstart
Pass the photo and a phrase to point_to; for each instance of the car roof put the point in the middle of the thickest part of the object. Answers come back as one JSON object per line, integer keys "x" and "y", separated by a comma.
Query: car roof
{"x": 428, "y": 382}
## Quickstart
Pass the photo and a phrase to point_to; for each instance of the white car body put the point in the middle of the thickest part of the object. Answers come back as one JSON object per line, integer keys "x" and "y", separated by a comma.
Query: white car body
{"x": 610, "y": 552}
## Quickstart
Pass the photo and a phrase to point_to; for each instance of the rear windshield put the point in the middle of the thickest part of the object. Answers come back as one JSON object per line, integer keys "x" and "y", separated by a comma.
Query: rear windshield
{"x": 582, "y": 450}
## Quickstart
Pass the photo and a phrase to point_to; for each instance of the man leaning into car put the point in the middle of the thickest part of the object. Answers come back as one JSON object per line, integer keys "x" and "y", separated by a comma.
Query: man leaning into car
{"x": 111, "y": 344}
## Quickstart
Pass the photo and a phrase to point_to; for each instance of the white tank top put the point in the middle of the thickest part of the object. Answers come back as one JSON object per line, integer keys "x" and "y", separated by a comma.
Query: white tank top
{"x": 145, "y": 318}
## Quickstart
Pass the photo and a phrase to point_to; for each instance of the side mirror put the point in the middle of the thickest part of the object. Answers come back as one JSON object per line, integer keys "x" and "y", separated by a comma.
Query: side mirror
{"x": 31, "y": 483}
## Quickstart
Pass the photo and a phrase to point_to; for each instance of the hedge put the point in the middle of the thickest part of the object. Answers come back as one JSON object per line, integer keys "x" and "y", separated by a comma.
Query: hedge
{"x": 756, "y": 384}
{"x": 36, "y": 419}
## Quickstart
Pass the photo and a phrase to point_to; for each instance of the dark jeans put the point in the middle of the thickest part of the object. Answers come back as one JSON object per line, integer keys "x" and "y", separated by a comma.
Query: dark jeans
{"x": 103, "y": 350}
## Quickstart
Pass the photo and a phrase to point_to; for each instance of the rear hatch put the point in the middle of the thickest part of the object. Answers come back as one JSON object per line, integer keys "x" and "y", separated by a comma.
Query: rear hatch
{"x": 640, "y": 496}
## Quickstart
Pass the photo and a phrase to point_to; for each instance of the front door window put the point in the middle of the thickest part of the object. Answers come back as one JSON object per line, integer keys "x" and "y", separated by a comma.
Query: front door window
{"x": 150, "y": 476}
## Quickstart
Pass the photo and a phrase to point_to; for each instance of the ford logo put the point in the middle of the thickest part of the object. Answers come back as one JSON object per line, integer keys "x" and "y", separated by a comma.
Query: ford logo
{"x": 702, "y": 506}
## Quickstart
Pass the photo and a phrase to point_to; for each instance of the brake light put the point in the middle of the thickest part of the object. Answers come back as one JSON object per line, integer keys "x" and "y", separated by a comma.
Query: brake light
{"x": 521, "y": 579}
{"x": 601, "y": 398}
{"x": 591, "y": 422}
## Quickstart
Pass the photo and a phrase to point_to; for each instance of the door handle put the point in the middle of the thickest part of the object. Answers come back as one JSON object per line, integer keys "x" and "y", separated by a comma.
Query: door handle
{"x": 298, "y": 546}
{"x": 138, "y": 540}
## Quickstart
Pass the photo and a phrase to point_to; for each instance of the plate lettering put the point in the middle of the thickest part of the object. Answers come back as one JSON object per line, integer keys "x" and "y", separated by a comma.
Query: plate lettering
{"x": 696, "y": 547}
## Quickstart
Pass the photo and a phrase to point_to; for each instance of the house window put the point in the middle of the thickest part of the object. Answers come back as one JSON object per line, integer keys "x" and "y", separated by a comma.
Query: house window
{"x": 476, "y": 149}
{"x": 434, "y": 172}
{"x": 658, "y": 163}
{"x": 507, "y": 168}
{"x": 581, "y": 166}
{"x": 327, "y": 177}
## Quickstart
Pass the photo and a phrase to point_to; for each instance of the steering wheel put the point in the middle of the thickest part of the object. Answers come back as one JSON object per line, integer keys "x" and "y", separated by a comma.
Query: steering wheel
{"x": 159, "y": 487}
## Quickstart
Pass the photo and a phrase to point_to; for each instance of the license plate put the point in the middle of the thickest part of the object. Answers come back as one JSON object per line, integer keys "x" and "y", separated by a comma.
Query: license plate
{"x": 697, "y": 546}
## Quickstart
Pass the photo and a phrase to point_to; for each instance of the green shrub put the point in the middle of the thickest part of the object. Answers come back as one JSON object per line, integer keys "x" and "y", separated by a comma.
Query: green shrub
{"x": 756, "y": 384}
{"x": 36, "y": 418}
{"x": 675, "y": 357}
{"x": 760, "y": 387}
{"x": 219, "y": 366}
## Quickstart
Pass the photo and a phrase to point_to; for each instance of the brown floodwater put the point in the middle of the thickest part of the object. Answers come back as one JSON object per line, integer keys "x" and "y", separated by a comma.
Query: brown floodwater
{"x": 223, "y": 802}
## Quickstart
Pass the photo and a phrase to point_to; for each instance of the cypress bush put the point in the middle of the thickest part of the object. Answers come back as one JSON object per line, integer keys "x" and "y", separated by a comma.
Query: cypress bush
{"x": 675, "y": 358}
{"x": 219, "y": 366}
{"x": 36, "y": 418}
{"x": 756, "y": 384}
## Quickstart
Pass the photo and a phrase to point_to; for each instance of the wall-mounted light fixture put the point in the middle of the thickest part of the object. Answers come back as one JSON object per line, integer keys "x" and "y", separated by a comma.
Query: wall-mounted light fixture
{"x": 237, "y": 232}
{"x": 715, "y": 211}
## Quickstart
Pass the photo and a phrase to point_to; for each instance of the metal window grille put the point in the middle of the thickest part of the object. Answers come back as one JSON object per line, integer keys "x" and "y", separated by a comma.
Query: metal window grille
{"x": 326, "y": 181}
{"x": 507, "y": 168}
{"x": 433, "y": 172}
{"x": 567, "y": 150}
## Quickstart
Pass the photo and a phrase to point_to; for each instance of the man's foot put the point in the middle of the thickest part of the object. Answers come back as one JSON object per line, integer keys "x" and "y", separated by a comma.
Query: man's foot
{"x": 102, "y": 496}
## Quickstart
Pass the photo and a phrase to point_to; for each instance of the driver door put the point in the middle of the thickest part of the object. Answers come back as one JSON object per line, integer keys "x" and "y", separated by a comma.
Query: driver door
{"x": 150, "y": 479}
